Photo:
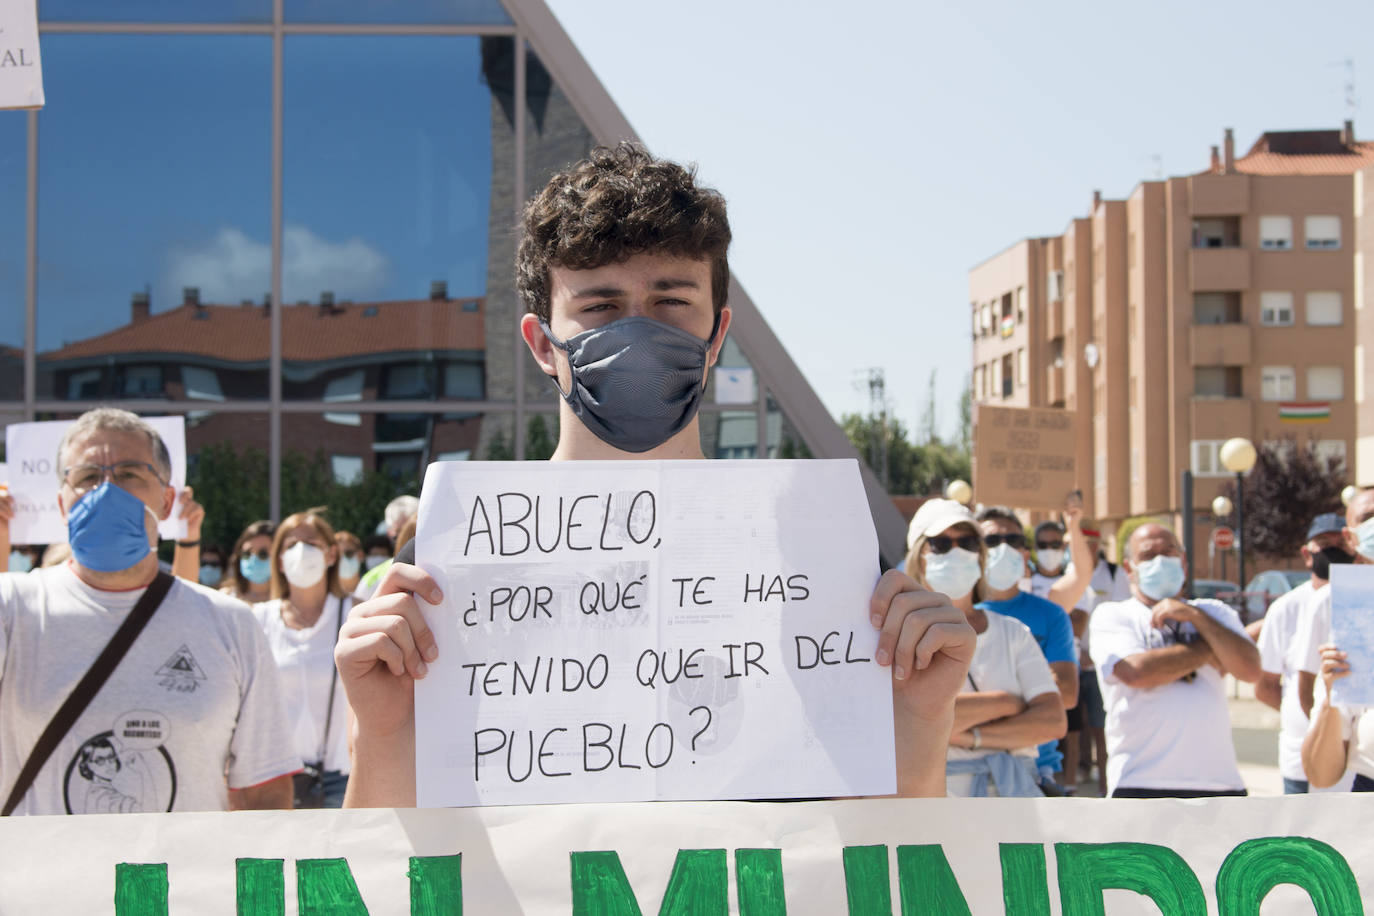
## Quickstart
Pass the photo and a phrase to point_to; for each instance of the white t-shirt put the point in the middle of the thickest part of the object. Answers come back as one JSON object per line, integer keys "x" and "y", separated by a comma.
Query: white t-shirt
{"x": 1278, "y": 655}
{"x": 1357, "y": 727}
{"x": 1007, "y": 658}
{"x": 1313, "y": 631}
{"x": 1176, "y": 735}
{"x": 195, "y": 698}
{"x": 305, "y": 659}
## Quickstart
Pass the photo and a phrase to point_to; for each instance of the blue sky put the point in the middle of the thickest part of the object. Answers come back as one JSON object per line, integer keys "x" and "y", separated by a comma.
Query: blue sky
{"x": 872, "y": 152}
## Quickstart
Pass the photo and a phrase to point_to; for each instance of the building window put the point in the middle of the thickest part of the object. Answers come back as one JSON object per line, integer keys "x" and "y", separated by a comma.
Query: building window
{"x": 1327, "y": 449}
{"x": 83, "y": 385}
{"x": 201, "y": 384}
{"x": 1325, "y": 383}
{"x": 1322, "y": 232}
{"x": 1276, "y": 233}
{"x": 1020, "y": 305}
{"x": 1055, "y": 291}
{"x": 1206, "y": 460}
{"x": 1008, "y": 382}
{"x": 1021, "y": 369}
{"x": 1216, "y": 308}
{"x": 140, "y": 381}
{"x": 1217, "y": 382}
{"x": 1276, "y": 308}
{"x": 1324, "y": 308}
{"x": 346, "y": 468}
{"x": 1278, "y": 383}
{"x": 1216, "y": 232}
{"x": 986, "y": 313}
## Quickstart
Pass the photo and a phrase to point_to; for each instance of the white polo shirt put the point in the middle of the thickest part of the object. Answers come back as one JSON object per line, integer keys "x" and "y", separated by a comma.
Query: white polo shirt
{"x": 1278, "y": 647}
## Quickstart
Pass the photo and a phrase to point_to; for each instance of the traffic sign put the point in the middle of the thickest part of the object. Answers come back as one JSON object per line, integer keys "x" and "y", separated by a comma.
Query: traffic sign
{"x": 1224, "y": 538}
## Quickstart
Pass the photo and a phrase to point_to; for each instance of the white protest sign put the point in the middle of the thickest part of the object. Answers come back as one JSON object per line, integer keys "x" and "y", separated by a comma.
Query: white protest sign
{"x": 31, "y": 453}
{"x": 1284, "y": 856}
{"x": 639, "y": 630}
{"x": 1352, "y": 628}
{"x": 21, "y": 74}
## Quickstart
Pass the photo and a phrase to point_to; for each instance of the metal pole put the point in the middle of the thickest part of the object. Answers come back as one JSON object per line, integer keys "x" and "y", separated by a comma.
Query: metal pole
{"x": 1240, "y": 547}
{"x": 1188, "y": 529}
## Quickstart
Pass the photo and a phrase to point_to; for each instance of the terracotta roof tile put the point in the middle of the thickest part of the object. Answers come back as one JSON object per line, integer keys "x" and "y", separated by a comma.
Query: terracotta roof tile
{"x": 1303, "y": 152}
{"x": 310, "y": 333}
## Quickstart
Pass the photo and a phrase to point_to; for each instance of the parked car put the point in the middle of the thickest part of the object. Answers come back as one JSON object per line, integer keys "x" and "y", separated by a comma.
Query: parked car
{"x": 1261, "y": 591}
{"x": 1219, "y": 589}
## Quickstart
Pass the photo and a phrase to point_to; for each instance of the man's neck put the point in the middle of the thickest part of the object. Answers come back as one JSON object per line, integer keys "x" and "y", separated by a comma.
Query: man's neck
{"x": 137, "y": 576}
{"x": 577, "y": 443}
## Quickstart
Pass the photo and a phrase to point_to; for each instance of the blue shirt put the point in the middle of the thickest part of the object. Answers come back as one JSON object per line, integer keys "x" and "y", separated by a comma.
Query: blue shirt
{"x": 1047, "y": 622}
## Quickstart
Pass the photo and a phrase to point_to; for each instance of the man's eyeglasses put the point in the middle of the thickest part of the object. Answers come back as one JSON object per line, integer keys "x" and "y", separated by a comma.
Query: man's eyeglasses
{"x": 1049, "y": 545}
{"x": 1017, "y": 540}
{"x": 127, "y": 475}
{"x": 943, "y": 543}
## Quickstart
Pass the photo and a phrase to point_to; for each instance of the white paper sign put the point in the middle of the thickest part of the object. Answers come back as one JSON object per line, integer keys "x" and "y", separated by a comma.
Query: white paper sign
{"x": 21, "y": 74}
{"x": 31, "y": 453}
{"x": 618, "y": 631}
{"x": 1352, "y": 628}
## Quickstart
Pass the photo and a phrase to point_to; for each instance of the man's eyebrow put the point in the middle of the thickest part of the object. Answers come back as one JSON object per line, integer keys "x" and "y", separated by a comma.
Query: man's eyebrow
{"x": 599, "y": 292}
{"x": 675, "y": 283}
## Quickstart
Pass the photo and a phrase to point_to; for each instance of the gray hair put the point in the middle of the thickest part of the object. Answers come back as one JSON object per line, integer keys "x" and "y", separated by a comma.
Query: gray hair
{"x": 115, "y": 420}
{"x": 400, "y": 510}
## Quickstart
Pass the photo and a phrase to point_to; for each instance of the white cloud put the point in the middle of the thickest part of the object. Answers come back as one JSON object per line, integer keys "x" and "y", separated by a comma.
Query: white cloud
{"x": 232, "y": 266}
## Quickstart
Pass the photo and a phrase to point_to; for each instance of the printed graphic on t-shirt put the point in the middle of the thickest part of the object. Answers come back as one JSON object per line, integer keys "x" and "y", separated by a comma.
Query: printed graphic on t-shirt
{"x": 123, "y": 770}
{"x": 181, "y": 672}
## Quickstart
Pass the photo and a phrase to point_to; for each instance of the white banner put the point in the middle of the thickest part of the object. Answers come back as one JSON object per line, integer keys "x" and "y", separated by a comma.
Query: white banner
{"x": 31, "y": 453}
{"x": 1352, "y": 609}
{"x": 21, "y": 74}
{"x": 634, "y": 630}
{"x": 1219, "y": 857}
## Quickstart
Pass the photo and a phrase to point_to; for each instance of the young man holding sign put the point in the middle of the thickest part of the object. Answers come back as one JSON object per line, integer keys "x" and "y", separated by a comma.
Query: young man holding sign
{"x": 623, "y": 269}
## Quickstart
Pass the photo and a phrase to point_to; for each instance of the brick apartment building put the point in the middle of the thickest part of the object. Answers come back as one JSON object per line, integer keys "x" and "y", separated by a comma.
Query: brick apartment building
{"x": 1202, "y": 307}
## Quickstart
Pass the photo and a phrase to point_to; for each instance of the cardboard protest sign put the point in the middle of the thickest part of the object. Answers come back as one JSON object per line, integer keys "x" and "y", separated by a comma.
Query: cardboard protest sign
{"x": 1352, "y": 628}
{"x": 1070, "y": 857}
{"x": 21, "y": 73}
{"x": 1023, "y": 457}
{"x": 31, "y": 453}
{"x": 650, "y": 630}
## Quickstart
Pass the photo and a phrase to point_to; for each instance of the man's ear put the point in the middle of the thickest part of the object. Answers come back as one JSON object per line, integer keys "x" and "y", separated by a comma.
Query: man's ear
{"x": 169, "y": 498}
{"x": 61, "y": 505}
{"x": 1352, "y": 543}
{"x": 541, "y": 348}
{"x": 1126, "y": 565}
{"x": 714, "y": 353}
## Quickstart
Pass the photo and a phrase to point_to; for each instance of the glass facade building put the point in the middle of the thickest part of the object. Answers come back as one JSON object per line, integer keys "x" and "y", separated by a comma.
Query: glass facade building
{"x": 293, "y": 221}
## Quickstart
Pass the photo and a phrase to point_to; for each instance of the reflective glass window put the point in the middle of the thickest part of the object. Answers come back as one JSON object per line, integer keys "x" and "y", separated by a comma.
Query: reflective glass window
{"x": 730, "y": 434}
{"x": 443, "y": 12}
{"x": 385, "y": 255}
{"x": 783, "y": 439}
{"x": 153, "y": 11}
{"x": 13, "y": 207}
{"x": 154, "y": 243}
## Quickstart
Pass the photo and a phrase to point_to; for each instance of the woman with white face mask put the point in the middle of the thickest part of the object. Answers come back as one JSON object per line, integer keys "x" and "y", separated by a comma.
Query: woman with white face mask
{"x": 350, "y": 560}
{"x": 302, "y": 621}
{"x": 1010, "y": 702}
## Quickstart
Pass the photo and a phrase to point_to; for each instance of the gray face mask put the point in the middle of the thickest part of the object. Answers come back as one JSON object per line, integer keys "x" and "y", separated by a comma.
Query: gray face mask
{"x": 636, "y": 382}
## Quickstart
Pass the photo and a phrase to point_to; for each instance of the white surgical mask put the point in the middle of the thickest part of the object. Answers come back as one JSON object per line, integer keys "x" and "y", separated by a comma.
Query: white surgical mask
{"x": 954, "y": 573}
{"x": 348, "y": 567}
{"x": 1160, "y": 577}
{"x": 1365, "y": 533}
{"x": 303, "y": 564}
{"x": 1050, "y": 558}
{"x": 374, "y": 560}
{"x": 1004, "y": 568}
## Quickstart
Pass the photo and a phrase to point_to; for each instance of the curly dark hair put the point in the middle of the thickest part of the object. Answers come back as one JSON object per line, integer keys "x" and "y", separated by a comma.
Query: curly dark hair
{"x": 619, "y": 202}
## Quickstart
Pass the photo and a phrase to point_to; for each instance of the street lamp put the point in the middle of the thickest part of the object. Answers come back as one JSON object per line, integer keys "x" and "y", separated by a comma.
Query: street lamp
{"x": 959, "y": 491}
{"x": 1221, "y": 508}
{"x": 1238, "y": 456}
{"x": 1348, "y": 494}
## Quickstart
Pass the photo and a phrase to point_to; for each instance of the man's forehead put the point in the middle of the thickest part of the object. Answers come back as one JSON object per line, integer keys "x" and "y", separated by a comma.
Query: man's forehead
{"x": 1360, "y": 508}
{"x": 109, "y": 445}
{"x": 1156, "y": 540}
{"x": 645, "y": 269}
{"x": 998, "y": 525}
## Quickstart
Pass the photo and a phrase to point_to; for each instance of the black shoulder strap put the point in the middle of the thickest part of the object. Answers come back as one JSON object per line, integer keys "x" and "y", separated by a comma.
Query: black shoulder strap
{"x": 333, "y": 681}
{"x": 89, "y": 686}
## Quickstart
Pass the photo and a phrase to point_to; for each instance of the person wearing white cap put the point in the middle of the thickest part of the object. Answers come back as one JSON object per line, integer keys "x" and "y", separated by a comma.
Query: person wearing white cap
{"x": 1010, "y": 702}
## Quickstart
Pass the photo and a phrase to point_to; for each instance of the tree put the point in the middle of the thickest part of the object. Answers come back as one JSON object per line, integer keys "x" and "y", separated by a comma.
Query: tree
{"x": 1290, "y": 484}
{"x": 966, "y": 418}
{"x": 539, "y": 445}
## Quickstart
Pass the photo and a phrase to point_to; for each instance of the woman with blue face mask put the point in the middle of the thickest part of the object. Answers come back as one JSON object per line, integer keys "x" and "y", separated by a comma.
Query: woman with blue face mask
{"x": 1010, "y": 702}
{"x": 302, "y": 621}
{"x": 250, "y": 564}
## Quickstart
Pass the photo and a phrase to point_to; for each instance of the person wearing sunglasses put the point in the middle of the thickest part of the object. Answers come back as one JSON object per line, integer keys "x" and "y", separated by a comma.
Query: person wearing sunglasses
{"x": 251, "y": 564}
{"x": 198, "y": 679}
{"x": 1010, "y": 701}
{"x": 1007, "y": 558}
{"x": 1161, "y": 663}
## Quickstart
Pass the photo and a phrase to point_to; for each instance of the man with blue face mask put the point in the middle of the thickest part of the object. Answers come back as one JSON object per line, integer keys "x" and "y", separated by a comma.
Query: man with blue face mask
{"x": 622, "y": 266}
{"x": 1160, "y": 662}
{"x": 191, "y": 719}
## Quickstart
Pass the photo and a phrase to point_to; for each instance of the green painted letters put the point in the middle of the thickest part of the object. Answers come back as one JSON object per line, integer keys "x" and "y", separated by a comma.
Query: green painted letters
{"x": 758, "y": 882}
{"x": 260, "y": 886}
{"x": 140, "y": 890}
{"x": 325, "y": 887}
{"x": 927, "y": 883}
{"x": 1025, "y": 885}
{"x": 1256, "y": 867}
{"x": 866, "y": 881}
{"x": 1087, "y": 869}
{"x": 436, "y": 885}
{"x": 698, "y": 886}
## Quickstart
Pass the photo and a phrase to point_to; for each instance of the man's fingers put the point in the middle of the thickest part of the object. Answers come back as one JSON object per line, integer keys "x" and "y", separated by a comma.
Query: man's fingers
{"x": 385, "y": 637}
{"x": 402, "y": 577}
{"x": 921, "y": 605}
{"x": 954, "y": 638}
{"x": 893, "y": 582}
{"x": 402, "y": 607}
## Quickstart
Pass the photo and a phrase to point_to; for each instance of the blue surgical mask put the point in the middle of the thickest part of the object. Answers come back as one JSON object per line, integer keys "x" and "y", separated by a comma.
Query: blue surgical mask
{"x": 1365, "y": 534}
{"x": 954, "y": 572}
{"x": 636, "y": 382}
{"x": 349, "y": 567}
{"x": 20, "y": 562}
{"x": 211, "y": 575}
{"x": 255, "y": 570}
{"x": 106, "y": 531}
{"x": 1160, "y": 577}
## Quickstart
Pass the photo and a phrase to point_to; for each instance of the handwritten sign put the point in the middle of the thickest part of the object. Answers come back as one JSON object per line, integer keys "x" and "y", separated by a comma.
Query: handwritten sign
{"x": 21, "y": 74}
{"x": 1024, "y": 457}
{"x": 1352, "y": 628}
{"x": 1225, "y": 856}
{"x": 31, "y": 453}
{"x": 640, "y": 630}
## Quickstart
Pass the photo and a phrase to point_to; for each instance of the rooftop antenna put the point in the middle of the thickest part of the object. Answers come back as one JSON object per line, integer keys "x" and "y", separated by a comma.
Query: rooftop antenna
{"x": 876, "y": 382}
{"x": 1352, "y": 101}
